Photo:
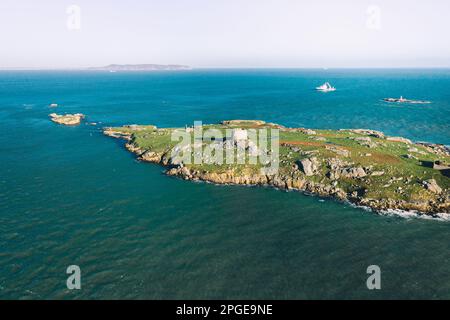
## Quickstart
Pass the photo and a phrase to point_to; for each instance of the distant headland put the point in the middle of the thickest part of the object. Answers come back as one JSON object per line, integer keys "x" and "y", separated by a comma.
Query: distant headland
{"x": 142, "y": 67}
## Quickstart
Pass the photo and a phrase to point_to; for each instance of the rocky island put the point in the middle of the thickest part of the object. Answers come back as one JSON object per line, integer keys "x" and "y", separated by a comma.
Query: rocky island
{"x": 403, "y": 100}
{"x": 67, "y": 119}
{"x": 361, "y": 166}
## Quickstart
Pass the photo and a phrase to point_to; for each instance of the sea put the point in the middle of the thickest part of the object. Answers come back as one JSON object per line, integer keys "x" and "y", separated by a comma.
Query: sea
{"x": 72, "y": 196}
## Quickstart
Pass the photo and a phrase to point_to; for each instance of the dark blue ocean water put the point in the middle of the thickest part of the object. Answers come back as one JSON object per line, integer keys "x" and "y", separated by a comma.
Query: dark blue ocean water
{"x": 69, "y": 195}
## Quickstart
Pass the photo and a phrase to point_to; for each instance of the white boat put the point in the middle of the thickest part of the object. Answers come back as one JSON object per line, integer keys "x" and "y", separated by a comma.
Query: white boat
{"x": 326, "y": 87}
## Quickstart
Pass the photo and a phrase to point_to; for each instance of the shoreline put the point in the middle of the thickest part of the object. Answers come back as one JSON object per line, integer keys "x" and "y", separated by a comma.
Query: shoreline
{"x": 412, "y": 214}
{"x": 435, "y": 206}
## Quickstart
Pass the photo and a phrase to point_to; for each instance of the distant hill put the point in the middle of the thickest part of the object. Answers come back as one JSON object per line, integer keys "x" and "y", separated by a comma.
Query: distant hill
{"x": 141, "y": 67}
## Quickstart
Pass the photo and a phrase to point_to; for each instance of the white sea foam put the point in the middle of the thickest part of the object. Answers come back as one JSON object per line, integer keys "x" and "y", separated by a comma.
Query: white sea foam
{"x": 406, "y": 214}
{"x": 416, "y": 215}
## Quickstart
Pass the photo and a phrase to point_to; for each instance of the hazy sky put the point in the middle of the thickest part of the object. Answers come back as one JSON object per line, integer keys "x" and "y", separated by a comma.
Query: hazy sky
{"x": 226, "y": 33}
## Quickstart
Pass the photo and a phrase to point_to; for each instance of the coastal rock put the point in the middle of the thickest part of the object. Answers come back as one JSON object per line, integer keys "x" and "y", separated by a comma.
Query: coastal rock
{"x": 365, "y": 141}
{"x": 362, "y": 139}
{"x": 116, "y": 134}
{"x": 353, "y": 172}
{"x": 438, "y": 149}
{"x": 133, "y": 148}
{"x": 338, "y": 150}
{"x": 237, "y": 122}
{"x": 310, "y": 166}
{"x": 309, "y": 132}
{"x": 68, "y": 119}
{"x": 399, "y": 139}
{"x": 335, "y": 165}
{"x": 151, "y": 156}
{"x": 135, "y": 127}
{"x": 432, "y": 186}
{"x": 373, "y": 133}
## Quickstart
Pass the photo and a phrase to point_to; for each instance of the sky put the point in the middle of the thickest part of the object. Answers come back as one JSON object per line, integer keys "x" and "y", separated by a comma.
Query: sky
{"x": 225, "y": 33}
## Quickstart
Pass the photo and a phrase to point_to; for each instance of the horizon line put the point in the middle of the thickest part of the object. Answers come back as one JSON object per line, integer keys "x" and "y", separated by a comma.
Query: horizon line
{"x": 217, "y": 67}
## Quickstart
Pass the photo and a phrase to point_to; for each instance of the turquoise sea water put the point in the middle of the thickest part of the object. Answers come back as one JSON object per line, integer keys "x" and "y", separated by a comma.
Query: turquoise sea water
{"x": 69, "y": 195}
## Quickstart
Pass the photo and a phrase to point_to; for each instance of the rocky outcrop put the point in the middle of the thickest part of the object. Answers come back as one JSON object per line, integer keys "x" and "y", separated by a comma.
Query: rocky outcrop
{"x": 432, "y": 186}
{"x": 234, "y": 122}
{"x": 151, "y": 157}
{"x": 301, "y": 184}
{"x": 310, "y": 166}
{"x": 335, "y": 166}
{"x": 365, "y": 141}
{"x": 67, "y": 119}
{"x": 438, "y": 149}
{"x": 309, "y": 131}
{"x": 117, "y": 134}
{"x": 135, "y": 127}
{"x": 133, "y": 148}
{"x": 338, "y": 150}
{"x": 339, "y": 168}
{"x": 368, "y": 132}
{"x": 399, "y": 139}
{"x": 362, "y": 139}
{"x": 353, "y": 172}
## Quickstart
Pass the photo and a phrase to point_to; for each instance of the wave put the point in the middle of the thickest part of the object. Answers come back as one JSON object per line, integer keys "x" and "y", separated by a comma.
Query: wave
{"x": 416, "y": 215}
{"x": 445, "y": 217}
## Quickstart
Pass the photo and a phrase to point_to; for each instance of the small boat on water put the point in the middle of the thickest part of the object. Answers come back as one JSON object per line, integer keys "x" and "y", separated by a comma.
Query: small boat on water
{"x": 403, "y": 100}
{"x": 326, "y": 87}
{"x": 53, "y": 105}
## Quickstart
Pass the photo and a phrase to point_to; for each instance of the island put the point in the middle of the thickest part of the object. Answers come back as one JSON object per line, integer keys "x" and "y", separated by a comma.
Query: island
{"x": 403, "y": 100}
{"x": 361, "y": 166}
{"x": 142, "y": 67}
{"x": 67, "y": 119}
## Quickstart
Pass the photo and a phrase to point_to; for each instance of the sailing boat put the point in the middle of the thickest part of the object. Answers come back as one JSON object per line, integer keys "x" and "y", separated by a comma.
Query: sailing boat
{"x": 326, "y": 87}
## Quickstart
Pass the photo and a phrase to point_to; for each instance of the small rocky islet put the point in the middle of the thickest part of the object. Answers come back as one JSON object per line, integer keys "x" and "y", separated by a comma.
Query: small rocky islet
{"x": 67, "y": 119}
{"x": 362, "y": 166}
